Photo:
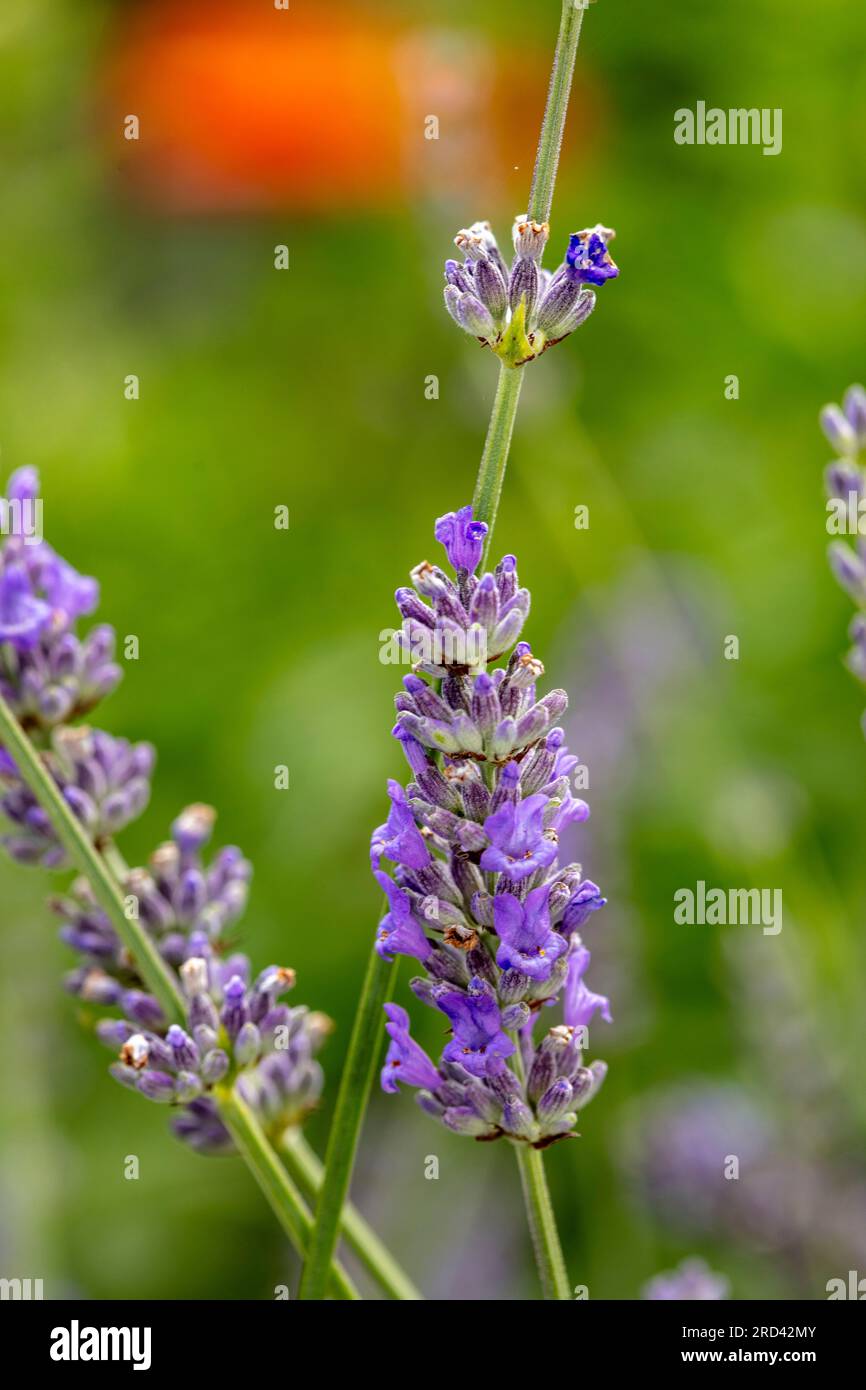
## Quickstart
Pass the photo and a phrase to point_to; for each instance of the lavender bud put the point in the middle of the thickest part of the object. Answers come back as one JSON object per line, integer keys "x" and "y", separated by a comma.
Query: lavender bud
{"x": 838, "y": 430}
{"x": 214, "y": 1066}
{"x": 523, "y": 284}
{"x": 557, "y": 1099}
{"x": 515, "y": 1016}
{"x": 517, "y": 1119}
{"x": 157, "y": 1085}
{"x": 854, "y": 406}
{"x": 194, "y": 976}
{"x": 248, "y": 1045}
{"x": 183, "y": 1048}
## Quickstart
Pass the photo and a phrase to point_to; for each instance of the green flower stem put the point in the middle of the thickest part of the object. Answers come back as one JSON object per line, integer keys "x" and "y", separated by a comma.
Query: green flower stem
{"x": 553, "y": 124}
{"x": 542, "y": 1223}
{"x": 352, "y": 1097}
{"x": 308, "y": 1171}
{"x": 283, "y": 1196}
{"x": 88, "y": 860}
{"x": 360, "y": 1065}
{"x": 491, "y": 473}
{"x": 494, "y": 460}
{"x": 539, "y": 1208}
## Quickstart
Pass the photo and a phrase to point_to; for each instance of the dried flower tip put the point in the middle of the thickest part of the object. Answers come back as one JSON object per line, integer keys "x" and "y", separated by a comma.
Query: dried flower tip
{"x": 530, "y": 237}
{"x": 135, "y": 1051}
{"x": 194, "y": 976}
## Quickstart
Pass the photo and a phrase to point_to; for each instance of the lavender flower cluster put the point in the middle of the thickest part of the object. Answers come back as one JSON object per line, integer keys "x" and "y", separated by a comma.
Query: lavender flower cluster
{"x": 845, "y": 428}
{"x": 476, "y": 893}
{"x": 522, "y": 311}
{"x": 238, "y": 1029}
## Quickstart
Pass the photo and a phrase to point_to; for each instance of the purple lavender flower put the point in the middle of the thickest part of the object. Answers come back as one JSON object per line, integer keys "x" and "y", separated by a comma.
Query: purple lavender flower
{"x": 587, "y": 260}
{"x": 580, "y": 1004}
{"x": 692, "y": 1280}
{"x": 105, "y": 780}
{"x": 477, "y": 1024}
{"x": 462, "y": 538}
{"x": 237, "y": 1027}
{"x": 48, "y": 674}
{"x": 521, "y": 312}
{"x": 405, "y": 1060}
{"x": 474, "y": 888}
{"x": 528, "y": 942}
{"x": 23, "y": 616}
{"x": 517, "y": 841}
{"x": 176, "y": 895}
{"x": 400, "y": 932}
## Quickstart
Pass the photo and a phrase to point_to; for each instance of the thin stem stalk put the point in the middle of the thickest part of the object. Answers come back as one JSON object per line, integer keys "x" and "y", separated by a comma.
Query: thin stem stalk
{"x": 352, "y": 1097}
{"x": 542, "y": 1223}
{"x": 555, "y": 112}
{"x": 494, "y": 459}
{"x": 308, "y": 1171}
{"x": 282, "y": 1195}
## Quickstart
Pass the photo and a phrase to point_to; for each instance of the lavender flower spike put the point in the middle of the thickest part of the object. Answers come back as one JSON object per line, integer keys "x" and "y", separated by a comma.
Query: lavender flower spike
{"x": 522, "y": 311}
{"x": 237, "y": 1024}
{"x": 48, "y": 673}
{"x": 845, "y": 428}
{"x": 474, "y": 886}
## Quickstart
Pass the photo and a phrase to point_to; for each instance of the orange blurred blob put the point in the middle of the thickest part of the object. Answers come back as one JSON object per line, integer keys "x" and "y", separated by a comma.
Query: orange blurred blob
{"x": 245, "y": 107}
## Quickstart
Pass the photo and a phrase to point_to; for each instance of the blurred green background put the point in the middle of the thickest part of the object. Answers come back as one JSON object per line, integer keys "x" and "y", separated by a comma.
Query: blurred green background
{"x": 258, "y": 647}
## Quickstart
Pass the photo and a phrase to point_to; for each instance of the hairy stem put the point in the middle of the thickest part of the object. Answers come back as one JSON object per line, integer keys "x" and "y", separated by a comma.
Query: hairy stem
{"x": 542, "y": 1223}
{"x": 352, "y": 1097}
{"x": 491, "y": 472}
{"x": 88, "y": 860}
{"x": 283, "y": 1196}
{"x": 308, "y": 1171}
{"x": 539, "y": 1208}
{"x": 553, "y": 124}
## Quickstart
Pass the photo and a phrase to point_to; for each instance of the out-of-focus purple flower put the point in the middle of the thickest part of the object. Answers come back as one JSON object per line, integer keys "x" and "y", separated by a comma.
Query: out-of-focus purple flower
{"x": 48, "y": 674}
{"x": 693, "y": 1280}
{"x": 845, "y": 428}
{"x": 23, "y": 616}
{"x": 105, "y": 780}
